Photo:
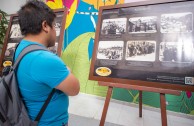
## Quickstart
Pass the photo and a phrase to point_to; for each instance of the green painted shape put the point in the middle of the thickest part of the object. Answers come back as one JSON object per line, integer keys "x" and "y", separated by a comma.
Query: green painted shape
{"x": 174, "y": 103}
{"x": 76, "y": 57}
{"x": 180, "y": 103}
{"x": 122, "y": 94}
{"x": 93, "y": 88}
{"x": 135, "y": 98}
{"x": 192, "y": 112}
{"x": 151, "y": 99}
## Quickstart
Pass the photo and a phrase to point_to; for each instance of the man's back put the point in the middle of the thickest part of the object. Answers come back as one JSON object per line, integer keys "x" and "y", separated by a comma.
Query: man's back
{"x": 37, "y": 74}
{"x": 41, "y": 71}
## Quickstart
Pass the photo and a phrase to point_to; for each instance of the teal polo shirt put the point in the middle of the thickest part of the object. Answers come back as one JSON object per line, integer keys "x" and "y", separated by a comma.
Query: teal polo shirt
{"x": 37, "y": 73}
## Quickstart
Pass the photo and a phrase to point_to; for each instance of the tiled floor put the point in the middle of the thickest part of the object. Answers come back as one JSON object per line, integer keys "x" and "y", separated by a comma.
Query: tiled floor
{"x": 121, "y": 113}
{"x": 85, "y": 121}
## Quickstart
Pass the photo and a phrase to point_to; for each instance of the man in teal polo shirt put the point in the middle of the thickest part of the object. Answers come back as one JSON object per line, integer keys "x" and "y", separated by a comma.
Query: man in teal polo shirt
{"x": 41, "y": 71}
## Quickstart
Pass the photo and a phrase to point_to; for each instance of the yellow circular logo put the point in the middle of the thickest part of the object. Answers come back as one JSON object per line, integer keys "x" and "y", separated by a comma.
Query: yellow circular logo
{"x": 7, "y": 63}
{"x": 103, "y": 71}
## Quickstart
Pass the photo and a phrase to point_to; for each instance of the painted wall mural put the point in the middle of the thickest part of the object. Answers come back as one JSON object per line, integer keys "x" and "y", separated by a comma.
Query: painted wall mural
{"x": 77, "y": 52}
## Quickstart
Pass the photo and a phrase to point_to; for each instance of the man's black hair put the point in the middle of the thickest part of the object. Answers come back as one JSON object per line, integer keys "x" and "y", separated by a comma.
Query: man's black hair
{"x": 31, "y": 16}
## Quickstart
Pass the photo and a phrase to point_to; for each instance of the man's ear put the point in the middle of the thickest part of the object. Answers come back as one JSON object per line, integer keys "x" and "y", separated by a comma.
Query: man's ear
{"x": 45, "y": 26}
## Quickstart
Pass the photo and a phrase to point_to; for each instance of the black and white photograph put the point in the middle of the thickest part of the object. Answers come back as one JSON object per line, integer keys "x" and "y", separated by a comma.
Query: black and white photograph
{"x": 10, "y": 50}
{"x": 15, "y": 35}
{"x": 58, "y": 24}
{"x": 141, "y": 50}
{"x": 177, "y": 23}
{"x": 15, "y": 31}
{"x": 112, "y": 50}
{"x": 143, "y": 24}
{"x": 113, "y": 26}
{"x": 57, "y": 28}
{"x": 54, "y": 48}
{"x": 176, "y": 52}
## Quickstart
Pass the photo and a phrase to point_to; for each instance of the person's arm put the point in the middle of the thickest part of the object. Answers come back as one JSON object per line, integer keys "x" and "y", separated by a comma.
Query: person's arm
{"x": 54, "y": 73}
{"x": 70, "y": 85}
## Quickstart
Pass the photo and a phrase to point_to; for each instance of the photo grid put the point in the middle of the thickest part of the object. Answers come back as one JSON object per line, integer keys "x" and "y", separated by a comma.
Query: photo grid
{"x": 110, "y": 50}
{"x": 156, "y": 40}
{"x": 145, "y": 50}
{"x": 114, "y": 26}
{"x": 15, "y": 36}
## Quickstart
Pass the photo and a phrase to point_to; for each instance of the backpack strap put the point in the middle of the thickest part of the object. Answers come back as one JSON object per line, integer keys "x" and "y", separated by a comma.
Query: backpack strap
{"x": 45, "y": 105}
{"x": 2, "y": 118}
{"x": 25, "y": 51}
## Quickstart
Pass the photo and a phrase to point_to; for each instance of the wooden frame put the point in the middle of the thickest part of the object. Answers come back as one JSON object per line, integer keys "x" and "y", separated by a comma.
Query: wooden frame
{"x": 62, "y": 29}
{"x": 13, "y": 37}
{"x": 157, "y": 73}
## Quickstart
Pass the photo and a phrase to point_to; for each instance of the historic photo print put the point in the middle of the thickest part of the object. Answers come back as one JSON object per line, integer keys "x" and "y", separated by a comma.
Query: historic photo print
{"x": 113, "y": 26}
{"x": 9, "y": 53}
{"x": 58, "y": 22}
{"x": 177, "y": 23}
{"x": 176, "y": 52}
{"x": 15, "y": 32}
{"x": 143, "y": 24}
{"x": 57, "y": 28}
{"x": 140, "y": 50}
{"x": 58, "y": 25}
{"x": 15, "y": 35}
{"x": 112, "y": 50}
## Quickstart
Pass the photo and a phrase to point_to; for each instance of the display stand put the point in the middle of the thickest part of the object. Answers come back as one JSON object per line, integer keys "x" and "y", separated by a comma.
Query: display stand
{"x": 140, "y": 88}
{"x": 11, "y": 40}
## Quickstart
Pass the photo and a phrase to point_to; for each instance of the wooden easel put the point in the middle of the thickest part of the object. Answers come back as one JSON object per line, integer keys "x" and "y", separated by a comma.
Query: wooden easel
{"x": 140, "y": 88}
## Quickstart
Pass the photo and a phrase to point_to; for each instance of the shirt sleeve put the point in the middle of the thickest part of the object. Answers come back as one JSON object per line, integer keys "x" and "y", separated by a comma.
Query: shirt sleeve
{"x": 49, "y": 69}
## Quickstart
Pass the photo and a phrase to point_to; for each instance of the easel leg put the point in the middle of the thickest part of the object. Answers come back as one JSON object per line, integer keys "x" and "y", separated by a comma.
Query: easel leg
{"x": 140, "y": 103}
{"x": 163, "y": 109}
{"x": 106, "y": 104}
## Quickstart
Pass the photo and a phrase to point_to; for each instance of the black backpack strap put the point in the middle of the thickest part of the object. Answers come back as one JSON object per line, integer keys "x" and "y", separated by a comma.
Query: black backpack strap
{"x": 2, "y": 118}
{"x": 45, "y": 105}
{"x": 25, "y": 51}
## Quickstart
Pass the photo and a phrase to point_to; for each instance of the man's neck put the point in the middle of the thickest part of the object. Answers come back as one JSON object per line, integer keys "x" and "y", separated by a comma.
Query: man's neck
{"x": 36, "y": 38}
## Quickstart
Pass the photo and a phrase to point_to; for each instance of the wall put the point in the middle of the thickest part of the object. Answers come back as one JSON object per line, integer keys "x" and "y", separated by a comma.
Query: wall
{"x": 11, "y": 6}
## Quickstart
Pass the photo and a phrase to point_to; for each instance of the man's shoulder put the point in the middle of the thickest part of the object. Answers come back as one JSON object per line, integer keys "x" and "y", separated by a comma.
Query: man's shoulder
{"x": 23, "y": 44}
{"x": 39, "y": 53}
